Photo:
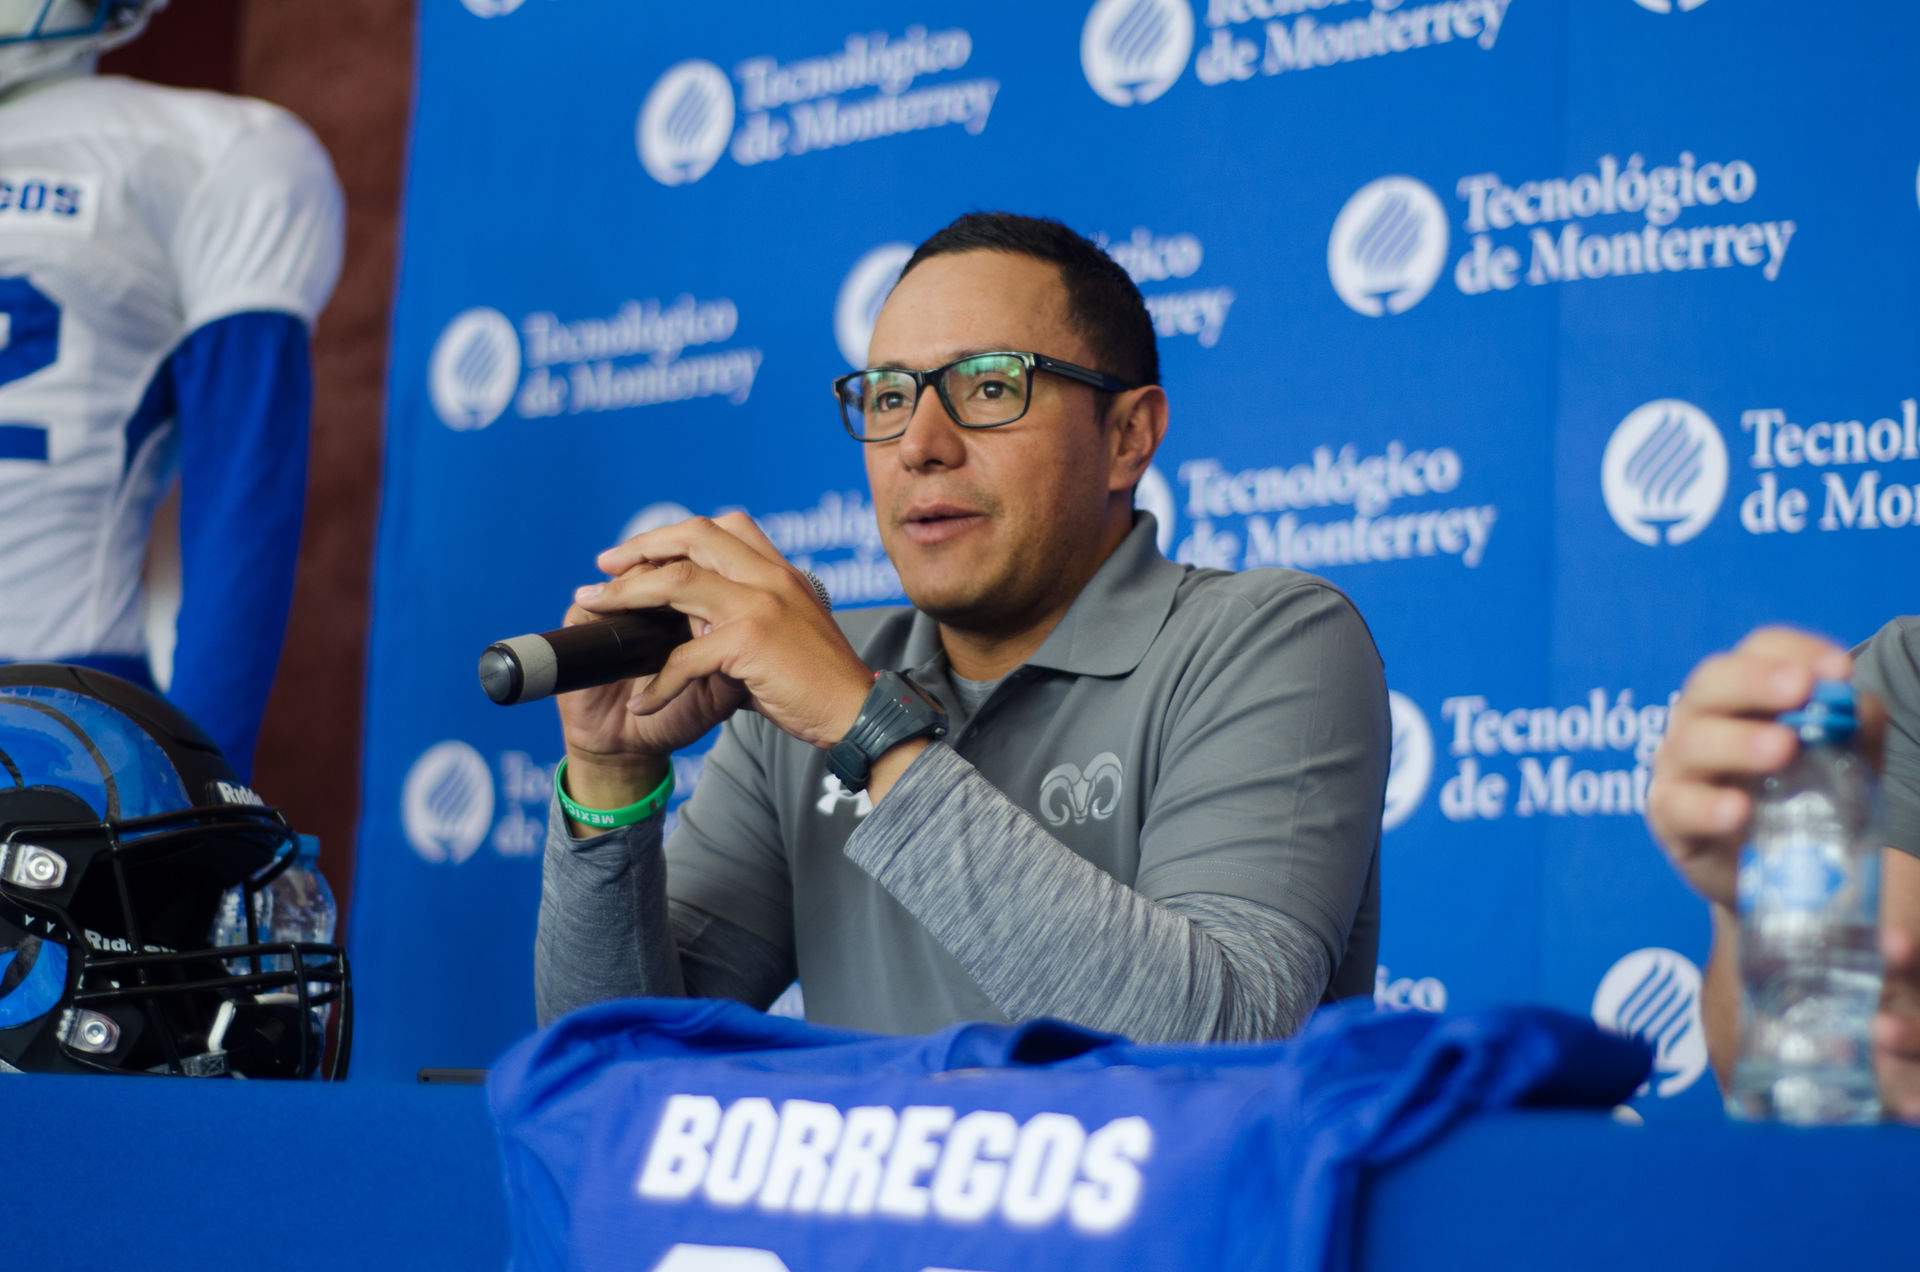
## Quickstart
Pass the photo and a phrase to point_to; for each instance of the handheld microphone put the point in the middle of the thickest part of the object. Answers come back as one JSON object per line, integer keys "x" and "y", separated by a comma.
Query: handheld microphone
{"x": 526, "y": 668}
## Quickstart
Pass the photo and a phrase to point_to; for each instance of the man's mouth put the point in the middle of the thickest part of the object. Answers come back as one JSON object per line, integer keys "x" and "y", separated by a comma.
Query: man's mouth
{"x": 937, "y": 523}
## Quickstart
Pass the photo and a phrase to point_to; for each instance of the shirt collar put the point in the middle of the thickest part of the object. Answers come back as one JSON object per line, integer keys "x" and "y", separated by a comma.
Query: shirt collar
{"x": 1108, "y": 628}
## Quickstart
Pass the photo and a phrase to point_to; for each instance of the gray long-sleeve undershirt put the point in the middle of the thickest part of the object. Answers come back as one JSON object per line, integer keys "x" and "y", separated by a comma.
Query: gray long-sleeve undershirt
{"x": 1042, "y": 931}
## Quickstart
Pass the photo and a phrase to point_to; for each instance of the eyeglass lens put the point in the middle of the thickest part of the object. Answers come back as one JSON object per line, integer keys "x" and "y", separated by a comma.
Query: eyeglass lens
{"x": 984, "y": 390}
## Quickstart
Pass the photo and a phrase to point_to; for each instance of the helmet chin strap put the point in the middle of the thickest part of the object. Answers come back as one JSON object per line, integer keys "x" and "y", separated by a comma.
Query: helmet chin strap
{"x": 222, "y": 1021}
{"x": 211, "y": 1063}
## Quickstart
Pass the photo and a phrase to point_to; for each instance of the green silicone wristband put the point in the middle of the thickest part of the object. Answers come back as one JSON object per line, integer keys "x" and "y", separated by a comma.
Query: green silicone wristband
{"x": 608, "y": 819}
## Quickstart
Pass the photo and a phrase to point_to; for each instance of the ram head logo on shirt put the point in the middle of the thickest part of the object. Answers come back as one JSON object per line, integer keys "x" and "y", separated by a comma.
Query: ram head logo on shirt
{"x": 1067, "y": 793}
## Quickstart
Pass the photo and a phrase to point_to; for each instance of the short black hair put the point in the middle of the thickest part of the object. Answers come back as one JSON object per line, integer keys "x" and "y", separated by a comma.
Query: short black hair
{"x": 1102, "y": 302}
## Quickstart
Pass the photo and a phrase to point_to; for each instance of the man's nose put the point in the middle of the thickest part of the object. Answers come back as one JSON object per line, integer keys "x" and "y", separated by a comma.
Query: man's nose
{"x": 932, "y": 436}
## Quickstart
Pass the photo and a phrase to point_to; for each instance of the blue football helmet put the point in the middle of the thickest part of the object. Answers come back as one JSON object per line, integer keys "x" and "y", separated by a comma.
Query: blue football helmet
{"x": 121, "y": 830}
{"x": 39, "y": 37}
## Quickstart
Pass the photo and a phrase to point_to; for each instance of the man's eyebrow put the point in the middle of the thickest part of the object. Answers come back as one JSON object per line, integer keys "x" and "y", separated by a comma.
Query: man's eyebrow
{"x": 953, "y": 355}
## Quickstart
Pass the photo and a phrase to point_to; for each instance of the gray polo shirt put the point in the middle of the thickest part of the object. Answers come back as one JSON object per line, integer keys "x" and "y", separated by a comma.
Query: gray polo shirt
{"x": 1187, "y": 732}
{"x": 1889, "y": 665}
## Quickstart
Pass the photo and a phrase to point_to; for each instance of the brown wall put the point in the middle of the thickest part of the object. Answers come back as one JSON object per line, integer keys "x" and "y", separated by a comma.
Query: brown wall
{"x": 346, "y": 67}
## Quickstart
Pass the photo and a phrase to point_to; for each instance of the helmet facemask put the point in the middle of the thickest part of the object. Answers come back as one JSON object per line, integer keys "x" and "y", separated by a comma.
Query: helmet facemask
{"x": 131, "y": 903}
{"x": 123, "y": 831}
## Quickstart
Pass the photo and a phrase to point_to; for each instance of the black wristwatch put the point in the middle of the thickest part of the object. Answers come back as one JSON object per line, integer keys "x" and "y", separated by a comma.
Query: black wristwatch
{"x": 895, "y": 711}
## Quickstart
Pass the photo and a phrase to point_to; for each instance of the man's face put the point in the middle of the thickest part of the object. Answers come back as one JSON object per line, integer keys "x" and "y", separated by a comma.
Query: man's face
{"x": 990, "y": 529}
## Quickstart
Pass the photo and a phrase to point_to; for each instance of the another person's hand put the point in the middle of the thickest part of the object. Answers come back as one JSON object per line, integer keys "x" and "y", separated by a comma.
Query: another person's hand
{"x": 1723, "y": 738}
{"x": 1896, "y": 1029}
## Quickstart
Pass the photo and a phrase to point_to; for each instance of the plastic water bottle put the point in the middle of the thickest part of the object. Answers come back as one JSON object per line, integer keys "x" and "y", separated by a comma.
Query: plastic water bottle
{"x": 230, "y": 926}
{"x": 297, "y": 906}
{"x": 1809, "y": 901}
{"x": 300, "y": 905}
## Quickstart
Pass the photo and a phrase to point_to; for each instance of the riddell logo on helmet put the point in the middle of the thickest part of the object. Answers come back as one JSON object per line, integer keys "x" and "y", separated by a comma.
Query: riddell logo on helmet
{"x": 121, "y": 945}
{"x": 234, "y": 793}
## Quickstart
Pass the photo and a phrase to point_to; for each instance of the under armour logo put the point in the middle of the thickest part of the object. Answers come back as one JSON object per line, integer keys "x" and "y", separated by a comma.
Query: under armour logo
{"x": 1066, "y": 792}
{"x": 833, "y": 794}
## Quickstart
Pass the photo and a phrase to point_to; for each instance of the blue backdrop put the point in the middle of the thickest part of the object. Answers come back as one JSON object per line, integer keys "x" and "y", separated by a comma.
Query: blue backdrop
{"x": 1572, "y": 341}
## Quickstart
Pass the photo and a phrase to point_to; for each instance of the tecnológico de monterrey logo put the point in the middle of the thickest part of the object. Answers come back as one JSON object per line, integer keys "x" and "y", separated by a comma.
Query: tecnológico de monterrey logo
{"x": 685, "y": 122}
{"x": 1388, "y": 246}
{"x": 1664, "y": 472}
{"x": 474, "y": 369}
{"x": 1133, "y": 50}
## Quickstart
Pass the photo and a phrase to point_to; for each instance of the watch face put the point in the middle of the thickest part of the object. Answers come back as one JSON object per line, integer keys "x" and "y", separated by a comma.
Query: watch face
{"x": 918, "y": 701}
{"x": 926, "y": 697}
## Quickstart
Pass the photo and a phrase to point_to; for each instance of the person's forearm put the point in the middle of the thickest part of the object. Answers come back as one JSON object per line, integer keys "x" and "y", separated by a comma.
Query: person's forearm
{"x": 608, "y": 930}
{"x": 1720, "y": 995}
{"x": 1276, "y": 970}
{"x": 603, "y": 930}
{"x": 1044, "y": 932}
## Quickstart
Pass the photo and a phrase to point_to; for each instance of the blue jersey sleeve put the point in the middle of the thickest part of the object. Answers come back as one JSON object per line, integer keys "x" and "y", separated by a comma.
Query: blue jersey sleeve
{"x": 243, "y": 389}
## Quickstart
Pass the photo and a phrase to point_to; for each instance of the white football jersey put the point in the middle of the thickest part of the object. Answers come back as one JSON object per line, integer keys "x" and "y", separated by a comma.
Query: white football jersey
{"x": 130, "y": 216}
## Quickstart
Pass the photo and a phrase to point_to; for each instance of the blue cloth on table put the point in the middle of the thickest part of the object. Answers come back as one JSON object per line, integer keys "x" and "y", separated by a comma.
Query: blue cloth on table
{"x": 633, "y": 1127}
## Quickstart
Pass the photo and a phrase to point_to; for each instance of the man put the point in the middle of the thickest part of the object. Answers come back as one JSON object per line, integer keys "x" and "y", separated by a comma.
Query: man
{"x": 1723, "y": 739}
{"x": 163, "y": 254}
{"x": 1156, "y": 805}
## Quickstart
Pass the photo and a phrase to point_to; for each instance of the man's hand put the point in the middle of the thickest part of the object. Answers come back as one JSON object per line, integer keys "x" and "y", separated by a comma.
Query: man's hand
{"x": 1723, "y": 738}
{"x": 615, "y": 757}
{"x": 762, "y": 641}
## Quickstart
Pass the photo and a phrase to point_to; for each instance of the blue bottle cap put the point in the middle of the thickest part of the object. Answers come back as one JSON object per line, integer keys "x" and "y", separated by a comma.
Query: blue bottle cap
{"x": 1828, "y": 716}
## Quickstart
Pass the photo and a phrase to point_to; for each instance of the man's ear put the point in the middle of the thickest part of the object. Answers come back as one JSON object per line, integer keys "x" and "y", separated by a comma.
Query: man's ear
{"x": 1136, "y": 423}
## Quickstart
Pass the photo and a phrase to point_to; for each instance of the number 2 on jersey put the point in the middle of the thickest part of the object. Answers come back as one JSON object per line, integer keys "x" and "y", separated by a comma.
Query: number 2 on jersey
{"x": 29, "y": 342}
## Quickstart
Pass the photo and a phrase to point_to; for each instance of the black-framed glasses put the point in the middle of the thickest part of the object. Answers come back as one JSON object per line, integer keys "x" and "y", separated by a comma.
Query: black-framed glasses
{"x": 981, "y": 390}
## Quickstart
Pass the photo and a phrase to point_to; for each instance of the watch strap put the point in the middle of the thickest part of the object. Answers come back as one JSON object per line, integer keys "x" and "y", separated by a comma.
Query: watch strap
{"x": 895, "y": 711}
